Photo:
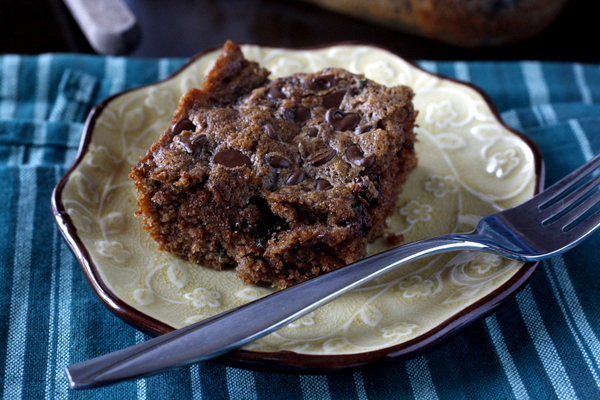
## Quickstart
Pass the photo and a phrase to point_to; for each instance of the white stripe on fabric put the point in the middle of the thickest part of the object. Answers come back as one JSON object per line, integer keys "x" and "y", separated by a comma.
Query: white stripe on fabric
{"x": 115, "y": 70}
{"x": 461, "y": 69}
{"x": 548, "y": 113}
{"x": 19, "y": 300}
{"x": 42, "y": 89}
{"x": 538, "y": 115}
{"x": 16, "y": 156}
{"x": 535, "y": 83}
{"x": 420, "y": 379}
{"x": 361, "y": 393}
{"x": 36, "y": 153}
{"x": 430, "y": 66}
{"x": 70, "y": 155}
{"x": 63, "y": 334}
{"x": 65, "y": 302}
{"x": 510, "y": 369}
{"x": 544, "y": 114}
{"x": 195, "y": 380}
{"x": 51, "y": 363}
{"x": 57, "y": 110}
{"x": 75, "y": 133}
{"x": 586, "y": 94}
{"x": 511, "y": 118}
{"x": 581, "y": 137}
{"x": 140, "y": 384}
{"x": 163, "y": 68}
{"x": 40, "y": 133}
{"x": 241, "y": 384}
{"x": 9, "y": 85}
{"x": 314, "y": 387}
{"x": 73, "y": 142}
{"x": 544, "y": 346}
{"x": 573, "y": 313}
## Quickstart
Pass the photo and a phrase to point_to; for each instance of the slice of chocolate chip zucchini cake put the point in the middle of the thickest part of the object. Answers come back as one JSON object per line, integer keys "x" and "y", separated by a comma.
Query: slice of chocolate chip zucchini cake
{"x": 281, "y": 179}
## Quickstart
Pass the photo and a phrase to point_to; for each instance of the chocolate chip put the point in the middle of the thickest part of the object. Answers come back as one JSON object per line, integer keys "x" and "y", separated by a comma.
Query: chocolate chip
{"x": 320, "y": 83}
{"x": 342, "y": 121}
{"x": 323, "y": 184}
{"x": 296, "y": 114}
{"x": 279, "y": 162}
{"x": 183, "y": 125}
{"x": 231, "y": 158}
{"x": 194, "y": 147}
{"x": 272, "y": 133}
{"x": 355, "y": 155}
{"x": 362, "y": 129}
{"x": 312, "y": 131}
{"x": 403, "y": 113}
{"x": 360, "y": 190}
{"x": 275, "y": 92}
{"x": 334, "y": 99}
{"x": 296, "y": 177}
{"x": 322, "y": 158}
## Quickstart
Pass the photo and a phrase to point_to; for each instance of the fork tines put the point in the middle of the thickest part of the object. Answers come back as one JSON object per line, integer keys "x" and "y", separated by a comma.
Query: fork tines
{"x": 574, "y": 199}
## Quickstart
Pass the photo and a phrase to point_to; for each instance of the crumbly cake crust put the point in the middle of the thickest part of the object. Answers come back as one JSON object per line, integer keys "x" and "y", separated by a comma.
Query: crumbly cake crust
{"x": 283, "y": 180}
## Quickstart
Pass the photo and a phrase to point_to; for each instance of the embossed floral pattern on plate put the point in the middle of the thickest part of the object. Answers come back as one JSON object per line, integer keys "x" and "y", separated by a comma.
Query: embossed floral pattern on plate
{"x": 470, "y": 165}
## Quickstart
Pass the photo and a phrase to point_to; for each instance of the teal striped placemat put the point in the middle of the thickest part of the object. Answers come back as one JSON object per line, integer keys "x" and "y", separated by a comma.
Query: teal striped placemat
{"x": 543, "y": 344}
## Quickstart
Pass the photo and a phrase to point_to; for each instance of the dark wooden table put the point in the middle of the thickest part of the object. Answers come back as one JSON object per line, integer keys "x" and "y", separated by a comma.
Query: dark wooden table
{"x": 181, "y": 28}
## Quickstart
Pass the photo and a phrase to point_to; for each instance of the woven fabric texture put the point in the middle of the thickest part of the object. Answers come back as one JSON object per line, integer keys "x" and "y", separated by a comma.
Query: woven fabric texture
{"x": 542, "y": 344}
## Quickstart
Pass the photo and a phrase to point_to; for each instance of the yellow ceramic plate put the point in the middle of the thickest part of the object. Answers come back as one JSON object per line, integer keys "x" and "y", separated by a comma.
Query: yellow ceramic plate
{"x": 470, "y": 165}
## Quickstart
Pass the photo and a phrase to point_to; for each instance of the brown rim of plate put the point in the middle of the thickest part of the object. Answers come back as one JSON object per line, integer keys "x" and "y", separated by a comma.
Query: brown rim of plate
{"x": 287, "y": 361}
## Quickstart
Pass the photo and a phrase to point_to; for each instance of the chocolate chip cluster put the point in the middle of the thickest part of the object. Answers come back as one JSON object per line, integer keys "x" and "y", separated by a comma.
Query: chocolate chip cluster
{"x": 296, "y": 111}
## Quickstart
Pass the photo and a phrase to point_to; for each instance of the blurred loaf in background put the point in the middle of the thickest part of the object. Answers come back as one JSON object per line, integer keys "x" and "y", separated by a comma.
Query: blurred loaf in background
{"x": 464, "y": 23}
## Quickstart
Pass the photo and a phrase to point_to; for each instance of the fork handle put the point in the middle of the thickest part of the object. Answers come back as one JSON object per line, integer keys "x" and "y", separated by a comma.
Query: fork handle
{"x": 234, "y": 328}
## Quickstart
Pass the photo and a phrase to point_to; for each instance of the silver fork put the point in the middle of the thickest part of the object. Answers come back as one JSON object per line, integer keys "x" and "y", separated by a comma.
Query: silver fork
{"x": 548, "y": 224}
